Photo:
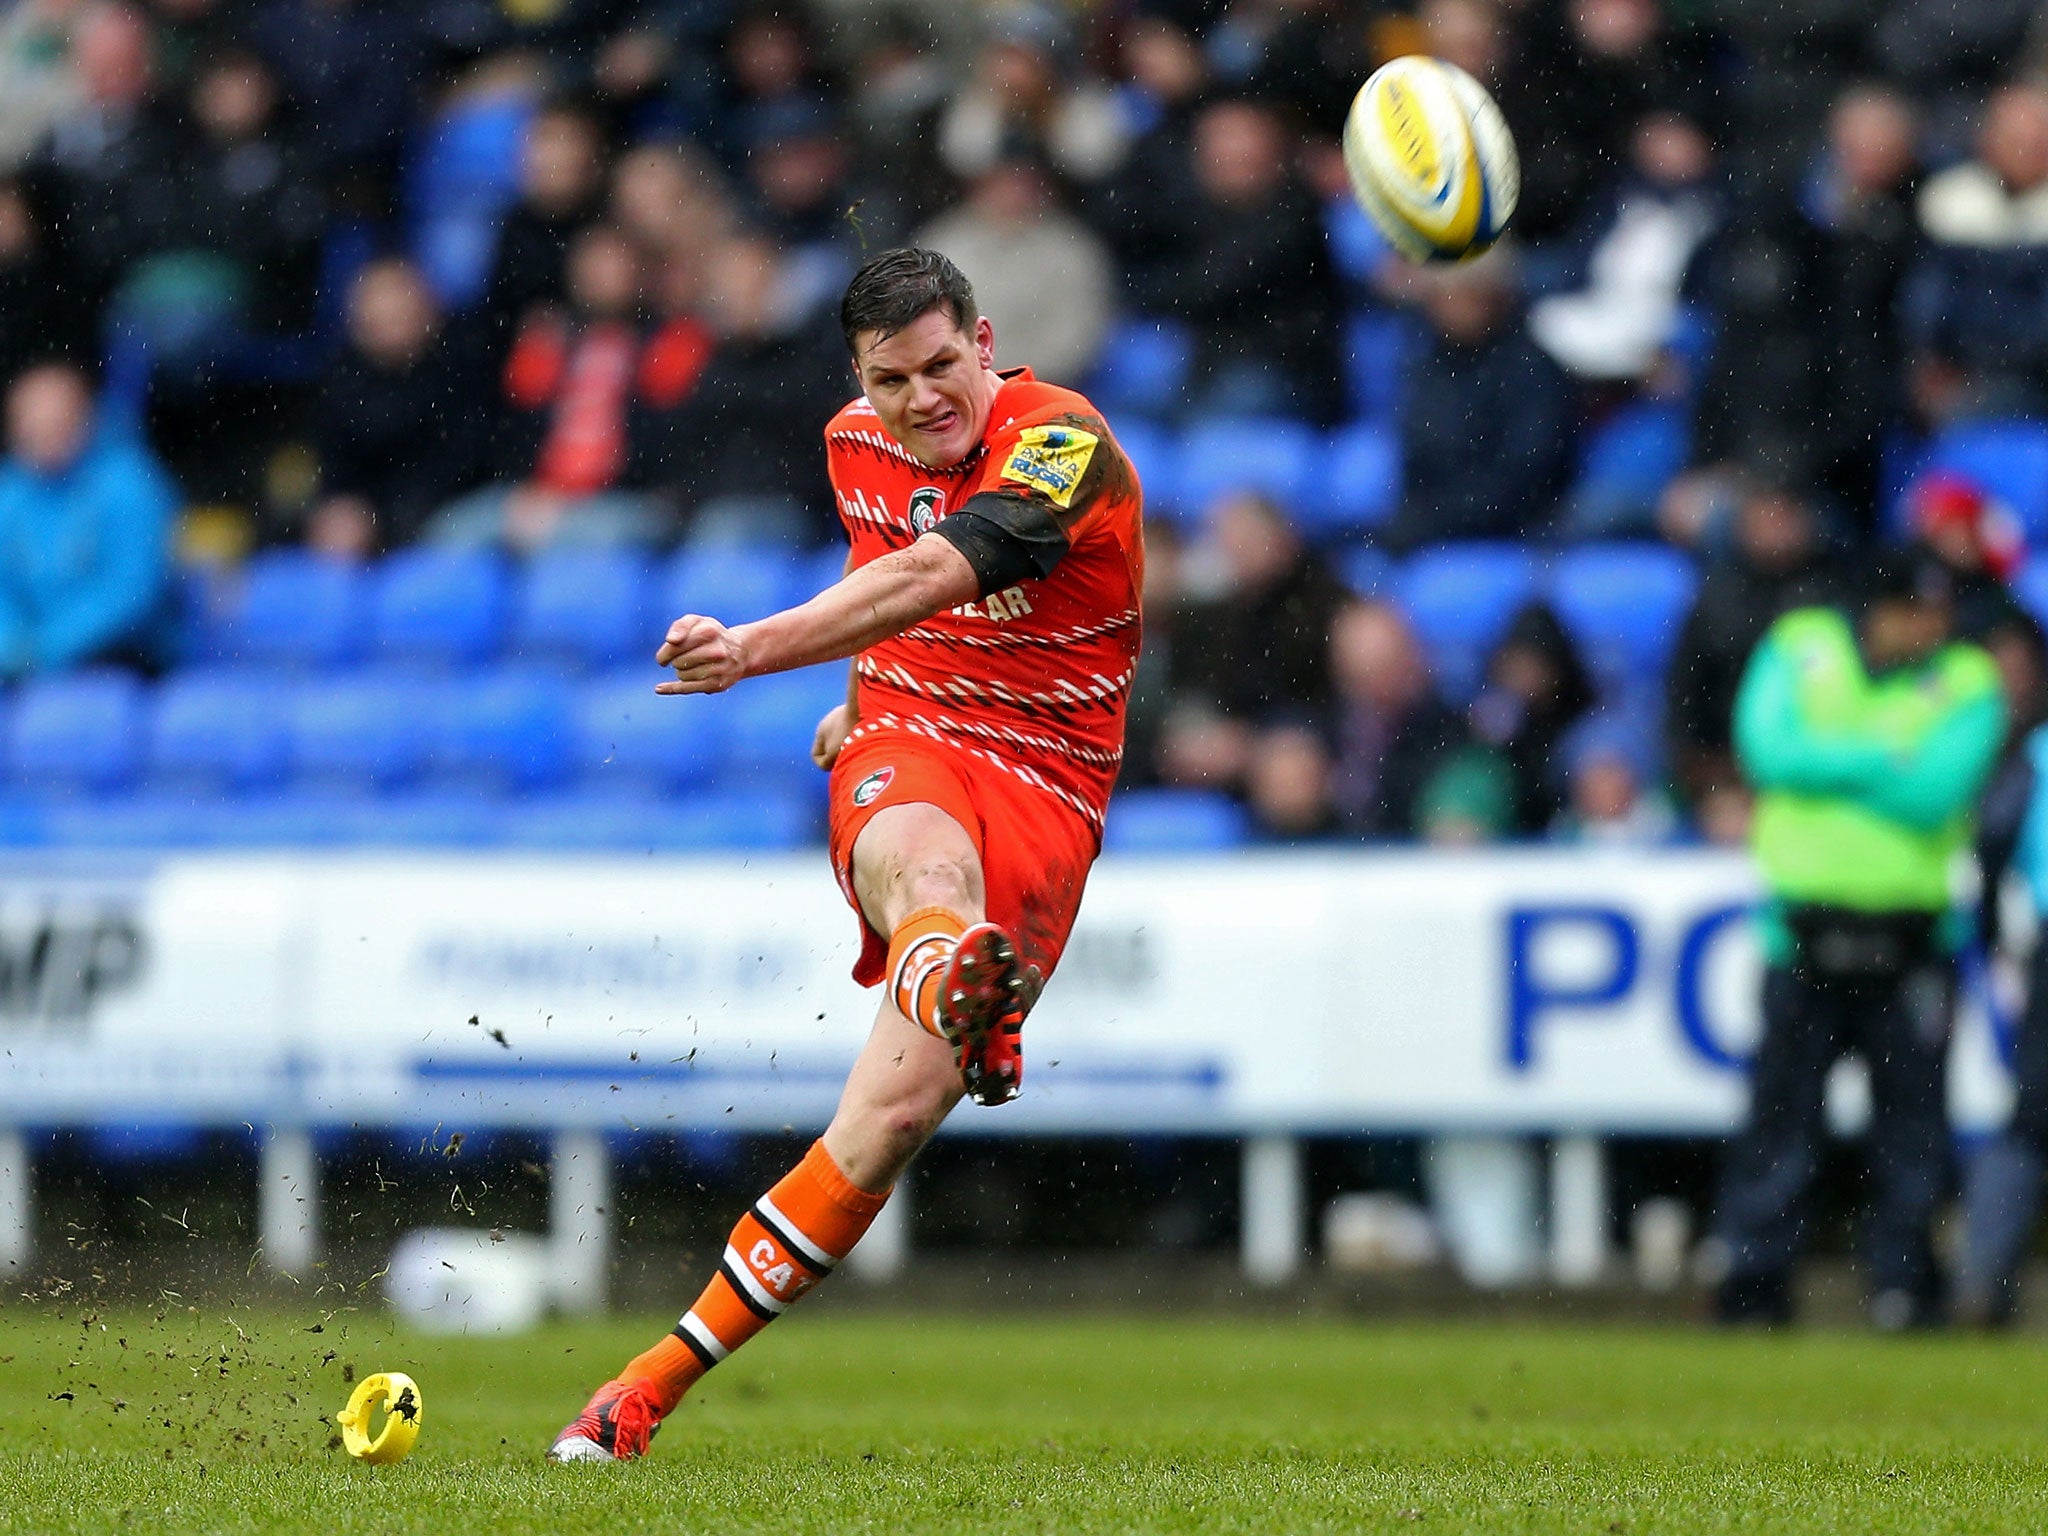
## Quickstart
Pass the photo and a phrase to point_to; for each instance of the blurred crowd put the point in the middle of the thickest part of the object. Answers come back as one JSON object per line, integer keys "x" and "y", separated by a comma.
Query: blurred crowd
{"x": 351, "y": 274}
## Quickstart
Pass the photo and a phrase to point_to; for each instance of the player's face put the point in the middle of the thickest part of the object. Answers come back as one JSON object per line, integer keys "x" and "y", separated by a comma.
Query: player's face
{"x": 931, "y": 385}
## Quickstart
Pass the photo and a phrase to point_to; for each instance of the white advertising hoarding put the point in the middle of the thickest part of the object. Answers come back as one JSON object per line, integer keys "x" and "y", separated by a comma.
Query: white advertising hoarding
{"x": 1540, "y": 991}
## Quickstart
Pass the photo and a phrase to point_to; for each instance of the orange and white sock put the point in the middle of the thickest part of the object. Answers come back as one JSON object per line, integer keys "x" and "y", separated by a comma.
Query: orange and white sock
{"x": 792, "y": 1238}
{"x": 919, "y": 951}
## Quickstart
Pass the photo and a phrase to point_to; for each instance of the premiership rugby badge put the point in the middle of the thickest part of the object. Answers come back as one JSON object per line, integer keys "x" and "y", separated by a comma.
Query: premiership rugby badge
{"x": 1051, "y": 460}
{"x": 927, "y": 506}
{"x": 869, "y": 789}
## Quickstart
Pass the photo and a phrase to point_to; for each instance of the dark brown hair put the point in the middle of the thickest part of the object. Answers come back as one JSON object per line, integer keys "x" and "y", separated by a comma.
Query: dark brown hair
{"x": 898, "y": 287}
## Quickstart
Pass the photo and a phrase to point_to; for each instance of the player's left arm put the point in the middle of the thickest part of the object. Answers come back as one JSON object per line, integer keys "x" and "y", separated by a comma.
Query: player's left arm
{"x": 1049, "y": 479}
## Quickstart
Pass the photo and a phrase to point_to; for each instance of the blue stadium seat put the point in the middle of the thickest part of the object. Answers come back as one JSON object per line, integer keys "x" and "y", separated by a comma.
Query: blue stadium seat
{"x": 1152, "y": 451}
{"x": 816, "y": 571}
{"x": 151, "y": 819}
{"x": 733, "y": 583}
{"x": 76, "y": 733}
{"x": 1360, "y": 484}
{"x": 291, "y": 607}
{"x": 1624, "y": 605}
{"x": 507, "y": 731}
{"x": 1273, "y": 455}
{"x": 218, "y": 731}
{"x": 313, "y": 817}
{"x": 2031, "y": 587}
{"x": 1377, "y": 345}
{"x": 427, "y": 819}
{"x": 1174, "y": 821}
{"x": 461, "y": 178}
{"x": 1461, "y": 599}
{"x": 363, "y": 733}
{"x": 769, "y": 722}
{"x": 156, "y": 1141}
{"x": 1367, "y": 571}
{"x": 1360, "y": 250}
{"x": 2007, "y": 458}
{"x": 627, "y": 737}
{"x": 1630, "y": 458}
{"x": 759, "y": 819}
{"x": 1143, "y": 369}
{"x": 439, "y": 607}
{"x": 24, "y": 821}
{"x": 586, "y": 606}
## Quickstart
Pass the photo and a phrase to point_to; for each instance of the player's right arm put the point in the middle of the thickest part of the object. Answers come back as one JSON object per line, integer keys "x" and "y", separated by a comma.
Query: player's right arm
{"x": 883, "y": 598}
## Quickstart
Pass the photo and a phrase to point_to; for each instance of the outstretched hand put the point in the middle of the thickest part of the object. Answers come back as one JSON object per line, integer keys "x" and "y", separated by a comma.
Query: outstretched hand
{"x": 707, "y": 657}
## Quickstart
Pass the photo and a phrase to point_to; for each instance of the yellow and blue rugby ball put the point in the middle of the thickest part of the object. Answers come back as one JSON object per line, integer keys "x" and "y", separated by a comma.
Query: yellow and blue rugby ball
{"x": 1431, "y": 159}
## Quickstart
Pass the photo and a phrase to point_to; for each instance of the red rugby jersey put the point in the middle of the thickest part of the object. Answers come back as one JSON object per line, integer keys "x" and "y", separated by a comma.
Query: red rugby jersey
{"x": 1033, "y": 679}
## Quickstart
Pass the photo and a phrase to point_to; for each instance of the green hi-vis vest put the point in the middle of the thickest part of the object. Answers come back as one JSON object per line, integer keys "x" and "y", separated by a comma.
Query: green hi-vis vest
{"x": 1866, "y": 787}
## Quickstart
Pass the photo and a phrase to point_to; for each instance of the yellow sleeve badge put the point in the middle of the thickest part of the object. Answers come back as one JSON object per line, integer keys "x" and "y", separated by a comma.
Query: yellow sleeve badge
{"x": 1052, "y": 460}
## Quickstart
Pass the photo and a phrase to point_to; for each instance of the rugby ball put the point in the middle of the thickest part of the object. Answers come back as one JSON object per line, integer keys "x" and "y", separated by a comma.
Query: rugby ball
{"x": 1431, "y": 159}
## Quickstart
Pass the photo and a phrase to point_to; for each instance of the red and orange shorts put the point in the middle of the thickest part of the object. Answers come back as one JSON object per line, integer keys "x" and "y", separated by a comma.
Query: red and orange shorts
{"x": 1035, "y": 849}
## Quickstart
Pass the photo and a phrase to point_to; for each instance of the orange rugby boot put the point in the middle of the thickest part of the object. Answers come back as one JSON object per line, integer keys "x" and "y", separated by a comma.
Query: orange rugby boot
{"x": 615, "y": 1425}
{"x": 983, "y": 997}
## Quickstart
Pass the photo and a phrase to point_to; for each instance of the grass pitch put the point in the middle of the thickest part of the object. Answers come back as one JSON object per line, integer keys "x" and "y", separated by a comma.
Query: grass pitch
{"x": 207, "y": 1421}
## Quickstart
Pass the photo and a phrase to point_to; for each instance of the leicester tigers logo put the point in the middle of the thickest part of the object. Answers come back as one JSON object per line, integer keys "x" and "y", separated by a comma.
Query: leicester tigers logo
{"x": 867, "y": 789}
{"x": 927, "y": 506}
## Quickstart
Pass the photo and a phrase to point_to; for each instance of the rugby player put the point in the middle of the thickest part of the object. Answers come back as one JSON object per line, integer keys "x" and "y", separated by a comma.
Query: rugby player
{"x": 990, "y": 604}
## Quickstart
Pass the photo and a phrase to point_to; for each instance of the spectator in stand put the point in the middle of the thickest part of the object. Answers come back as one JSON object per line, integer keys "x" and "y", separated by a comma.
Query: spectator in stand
{"x": 1778, "y": 560}
{"x": 899, "y": 86}
{"x": 561, "y": 184}
{"x": 1287, "y": 782}
{"x": 85, "y": 525}
{"x": 1040, "y": 274}
{"x": 672, "y": 200}
{"x": 1469, "y": 802}
{"x": 1980, "y": 543}
{"x": 1141, "y": 210}
{"x": 220, "y": 275}
{"x": 1390, "y": 734}
{"x": 1486, "y": 423}
{"x": 804, "y": 191}
{"x": 1251, "y": 273}
{"x": 1609, "y": 802}
{"x": 1977, "y": 309}
{"x": 1162, "y": 660}
{"x": 1638, "y": 249}
{"x": 352, "y": 70}
{"x": 191, "y": 33}
{"x": 42, "y": 312}
{"x": 659, "y": 73}
{"x": 1572, "y": 81}
{"x": 106, "y": 157}
{"x": 1023, "y": 89}
{"x": 1535, "y": 690}
{"x": 37, "y": 82}
{"x": 1258, "y": 642}
{"x": 571, "y": 386}
{"x": 1308, "y": 55}
{"x": 1806, "y": 294}
{"x": 397, "y": 427}
{"x": 242, "y": 196}
{"x": 2002, "y": 1183}
{"x": 769, "y": 58}
{"x": 741, "y": 447}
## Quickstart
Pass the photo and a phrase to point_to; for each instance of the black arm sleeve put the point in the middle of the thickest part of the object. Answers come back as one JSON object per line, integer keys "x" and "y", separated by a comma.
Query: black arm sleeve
{"x": 1007, "y": 539}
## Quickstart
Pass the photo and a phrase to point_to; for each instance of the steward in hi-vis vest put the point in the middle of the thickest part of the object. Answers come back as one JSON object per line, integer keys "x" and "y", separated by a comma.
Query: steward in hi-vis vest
{"x": 1867, "y": 738}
